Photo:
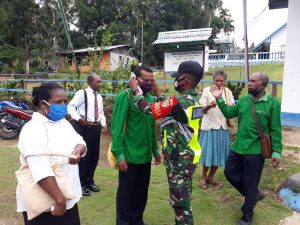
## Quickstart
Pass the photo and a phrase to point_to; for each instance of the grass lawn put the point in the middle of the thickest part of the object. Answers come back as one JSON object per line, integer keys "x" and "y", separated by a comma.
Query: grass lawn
{"x": 214, "y": 206}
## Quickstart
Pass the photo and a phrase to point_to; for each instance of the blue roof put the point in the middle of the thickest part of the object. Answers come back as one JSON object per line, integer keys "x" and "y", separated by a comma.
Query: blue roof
{"x": 269, "y": 37}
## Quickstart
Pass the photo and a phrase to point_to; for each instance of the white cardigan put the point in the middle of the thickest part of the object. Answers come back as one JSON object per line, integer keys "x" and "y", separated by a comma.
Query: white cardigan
{"x": 214, "y": 118}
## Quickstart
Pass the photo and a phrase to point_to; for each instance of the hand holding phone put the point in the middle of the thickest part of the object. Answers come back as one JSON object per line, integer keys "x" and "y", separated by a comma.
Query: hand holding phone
{"x": 133, "y": 84}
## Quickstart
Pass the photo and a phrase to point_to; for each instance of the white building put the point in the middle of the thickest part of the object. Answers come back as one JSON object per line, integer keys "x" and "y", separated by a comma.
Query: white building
{"x": 275, "y": 42}
{"x": 290, "y": 107}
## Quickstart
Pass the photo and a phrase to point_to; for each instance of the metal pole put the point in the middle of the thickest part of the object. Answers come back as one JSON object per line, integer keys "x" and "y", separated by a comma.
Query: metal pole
{"x": 142, "y": 57}
{"x": 246, "y": 41}
{"x": 66, "y": 30}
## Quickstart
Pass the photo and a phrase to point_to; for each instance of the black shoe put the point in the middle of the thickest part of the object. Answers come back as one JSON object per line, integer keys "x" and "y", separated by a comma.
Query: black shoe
{"x": 244, "y": 222}
{"x": 94, "y": 187}
{"x": 260, "y": 196}
{"x": 85, "y": 191}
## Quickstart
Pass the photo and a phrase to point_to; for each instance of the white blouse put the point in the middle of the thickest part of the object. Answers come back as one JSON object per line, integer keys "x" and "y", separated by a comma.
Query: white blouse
{"x": 41, "y": 135}
{"x": 214, "y": 118}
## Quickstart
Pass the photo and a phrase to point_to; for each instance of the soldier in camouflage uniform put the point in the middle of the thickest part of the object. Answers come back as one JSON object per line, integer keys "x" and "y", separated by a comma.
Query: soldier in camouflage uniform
{"x": 179, "y": 133}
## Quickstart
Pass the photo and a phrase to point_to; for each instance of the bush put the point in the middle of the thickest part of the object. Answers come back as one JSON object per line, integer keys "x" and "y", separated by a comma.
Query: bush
{"x": 236, "y": 89}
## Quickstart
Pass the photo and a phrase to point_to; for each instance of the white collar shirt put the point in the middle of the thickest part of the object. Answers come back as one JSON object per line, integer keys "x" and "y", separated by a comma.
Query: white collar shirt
{"x": 41, "y": 135}
{"x": 76, "y": 107}
{"x": 214, "y": 118}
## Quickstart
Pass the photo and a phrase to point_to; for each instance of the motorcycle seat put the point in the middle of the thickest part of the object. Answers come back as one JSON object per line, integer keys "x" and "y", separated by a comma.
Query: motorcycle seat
{"x": 27, "y": 111}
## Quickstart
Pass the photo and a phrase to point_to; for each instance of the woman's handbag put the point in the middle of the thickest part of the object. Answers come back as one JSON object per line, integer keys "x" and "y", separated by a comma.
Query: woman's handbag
{"x": 111, "y": 158}
{"x": 265, "y": 139}
{"x": 35, "y": 199}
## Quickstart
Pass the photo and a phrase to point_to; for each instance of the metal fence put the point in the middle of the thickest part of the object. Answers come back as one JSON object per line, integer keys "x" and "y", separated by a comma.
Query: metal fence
{"x": 24, "y": 84}
{"x": 237, "y": 59}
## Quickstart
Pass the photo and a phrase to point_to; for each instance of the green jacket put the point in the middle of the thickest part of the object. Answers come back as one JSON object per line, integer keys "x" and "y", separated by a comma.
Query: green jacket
{"x": 247, "y": 139}
{"x": 133, "y": 132}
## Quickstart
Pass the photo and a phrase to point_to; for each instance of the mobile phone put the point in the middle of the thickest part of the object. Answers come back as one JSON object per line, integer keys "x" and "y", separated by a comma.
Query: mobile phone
{"x": 132, "y": 76}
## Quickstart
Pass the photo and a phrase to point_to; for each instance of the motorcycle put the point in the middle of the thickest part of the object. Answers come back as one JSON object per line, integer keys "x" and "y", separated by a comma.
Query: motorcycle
{"x": 13, "y": 116}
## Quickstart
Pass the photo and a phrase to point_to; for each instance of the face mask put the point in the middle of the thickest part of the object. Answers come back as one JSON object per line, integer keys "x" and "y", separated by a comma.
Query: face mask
{"x": 57, "y": 111}
{"x": 145, "y": 86}
{"x": 178, "y": 86}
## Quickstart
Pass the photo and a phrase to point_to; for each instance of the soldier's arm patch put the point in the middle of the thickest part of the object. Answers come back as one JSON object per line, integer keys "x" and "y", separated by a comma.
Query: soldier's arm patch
{"x": 163, "y": 108}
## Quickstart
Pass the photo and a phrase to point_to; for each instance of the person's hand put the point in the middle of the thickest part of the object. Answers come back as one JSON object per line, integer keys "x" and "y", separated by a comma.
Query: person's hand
{"x": 230, "y": 104}
{"x": 275, "y": 162}
{"x": 156, "y": 89}
{"x": 216, "y": 92}
{"x": 133, "y": 83}
{"x": 122, "y": 166}
{"x": 157, "y": 160}
{"x": 75, "y": 157}
{"x": 59, "y": 208}
{"x": 104, "y": 129}
{"x": 212, "y": 104}
{"x": 82, "y": 122}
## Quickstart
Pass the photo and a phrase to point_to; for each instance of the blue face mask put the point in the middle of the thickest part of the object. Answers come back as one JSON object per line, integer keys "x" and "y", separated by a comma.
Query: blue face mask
{"x": 57, "y": 111}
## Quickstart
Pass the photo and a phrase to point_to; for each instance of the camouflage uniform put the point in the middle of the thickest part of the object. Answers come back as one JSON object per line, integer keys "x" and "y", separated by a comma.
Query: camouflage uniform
{"x": 178, "y": 156}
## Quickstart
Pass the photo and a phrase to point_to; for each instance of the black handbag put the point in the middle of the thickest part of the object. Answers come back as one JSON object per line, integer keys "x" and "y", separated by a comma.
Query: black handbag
{"x": 76, "y": 125}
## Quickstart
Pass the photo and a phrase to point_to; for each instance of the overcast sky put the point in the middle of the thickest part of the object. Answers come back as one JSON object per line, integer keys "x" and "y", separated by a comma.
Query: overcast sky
{"x": 261, "y": 21}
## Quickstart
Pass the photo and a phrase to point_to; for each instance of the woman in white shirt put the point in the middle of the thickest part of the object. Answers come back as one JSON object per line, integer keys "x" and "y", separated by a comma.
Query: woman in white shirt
{"x": 214, "y": 136}
{"x": 48, "y": 132}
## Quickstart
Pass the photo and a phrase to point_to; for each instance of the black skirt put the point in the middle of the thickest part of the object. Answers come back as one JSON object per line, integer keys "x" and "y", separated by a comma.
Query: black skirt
{"x": 71, "y": 217}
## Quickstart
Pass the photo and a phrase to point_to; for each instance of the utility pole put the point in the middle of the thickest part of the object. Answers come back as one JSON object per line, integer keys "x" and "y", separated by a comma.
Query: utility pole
{"x": 142, "y": 57}
{"x": 67, "y": 33}
{"x": 246, "y": 41}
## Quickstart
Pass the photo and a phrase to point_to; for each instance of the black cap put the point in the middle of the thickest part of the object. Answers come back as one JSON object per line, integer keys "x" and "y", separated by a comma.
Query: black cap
{"x": 189, "y": 67}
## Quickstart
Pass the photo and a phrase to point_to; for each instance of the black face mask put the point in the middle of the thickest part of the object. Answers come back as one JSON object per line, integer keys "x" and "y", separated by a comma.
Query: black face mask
{"x": 177, "y": 85}
{"x": 145, "y": 86}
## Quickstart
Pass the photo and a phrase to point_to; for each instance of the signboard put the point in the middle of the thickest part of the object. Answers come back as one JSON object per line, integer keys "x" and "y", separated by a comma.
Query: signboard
{"x": 173, "y": 59}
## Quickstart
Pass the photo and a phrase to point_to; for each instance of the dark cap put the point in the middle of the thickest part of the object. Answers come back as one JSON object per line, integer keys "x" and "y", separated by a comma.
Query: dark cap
{"x": 189, "y": 67}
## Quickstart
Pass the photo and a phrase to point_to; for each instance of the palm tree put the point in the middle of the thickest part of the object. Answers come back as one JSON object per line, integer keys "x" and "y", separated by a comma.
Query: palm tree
{"x": 225, "y": 17}
{"x": 210, "y": 6}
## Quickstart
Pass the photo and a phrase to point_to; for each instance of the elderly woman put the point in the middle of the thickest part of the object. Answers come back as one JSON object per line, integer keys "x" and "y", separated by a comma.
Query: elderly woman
{"x": 49, "y": 133}
{"x": 214, "y": 137}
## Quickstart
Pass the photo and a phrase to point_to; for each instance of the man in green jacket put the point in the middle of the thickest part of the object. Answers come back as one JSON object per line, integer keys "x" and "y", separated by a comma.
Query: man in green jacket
{"x": 245, "y": 163}
{"x": 133, "y": 144}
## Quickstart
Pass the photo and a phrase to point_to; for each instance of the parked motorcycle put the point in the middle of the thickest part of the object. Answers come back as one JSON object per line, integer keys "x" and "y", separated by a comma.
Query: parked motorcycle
{"x": 13, "y": 116}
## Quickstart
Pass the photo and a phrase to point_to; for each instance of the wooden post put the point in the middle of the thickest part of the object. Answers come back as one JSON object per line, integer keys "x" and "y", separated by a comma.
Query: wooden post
{"x": 24, "y": 84}
{"x": 274, "y": 89}
{"x": 165, "y": 75}
{"x": 65, "y": 84}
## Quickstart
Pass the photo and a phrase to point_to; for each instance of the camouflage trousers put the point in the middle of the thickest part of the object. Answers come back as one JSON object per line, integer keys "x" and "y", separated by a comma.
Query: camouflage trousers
{"x": 180, "y": 187}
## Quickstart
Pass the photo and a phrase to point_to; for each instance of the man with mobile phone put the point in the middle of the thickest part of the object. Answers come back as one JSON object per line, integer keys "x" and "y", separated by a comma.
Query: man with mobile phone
{"x": 133, "y": 144}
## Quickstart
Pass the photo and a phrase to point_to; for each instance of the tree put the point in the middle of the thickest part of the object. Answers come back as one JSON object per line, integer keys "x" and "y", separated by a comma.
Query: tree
{"x": 225, "y": 17}
{"x": 209, "y": 7}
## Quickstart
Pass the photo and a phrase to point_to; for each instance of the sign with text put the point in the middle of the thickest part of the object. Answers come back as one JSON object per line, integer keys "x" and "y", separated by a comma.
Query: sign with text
{"x": 173, "y": 59}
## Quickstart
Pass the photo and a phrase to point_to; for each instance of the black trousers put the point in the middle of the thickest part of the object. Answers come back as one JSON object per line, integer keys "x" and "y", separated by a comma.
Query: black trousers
{"x": 88, "y": 164}
{"x": 132, "y": 194}
{"x": 244, "y": 172}
{"x": 71, "y": 217}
